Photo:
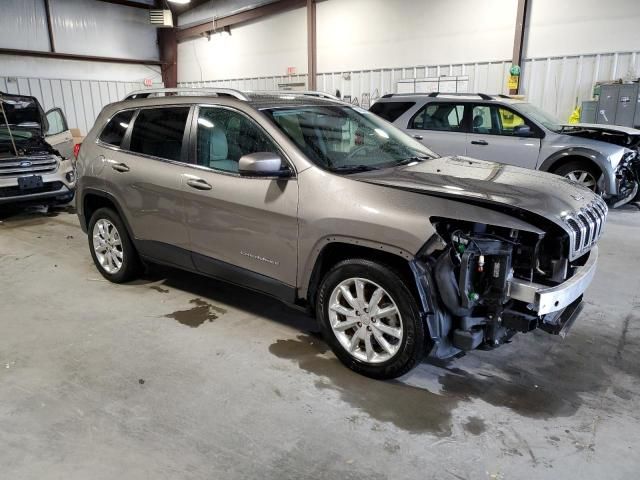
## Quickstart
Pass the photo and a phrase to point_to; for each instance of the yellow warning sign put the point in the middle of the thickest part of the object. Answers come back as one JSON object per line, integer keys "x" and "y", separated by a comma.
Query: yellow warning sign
{"x": 513, "y": 82}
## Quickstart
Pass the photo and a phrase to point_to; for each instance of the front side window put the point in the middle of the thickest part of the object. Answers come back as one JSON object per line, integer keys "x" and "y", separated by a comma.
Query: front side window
{"x": 224, "y": 136}
{"x": 159, "y": 132}
{"x": 114, "y": 131}
{"x": 343, "y": 138}
{"x": 439, "y": 116}
{"x": 482, "y": 120}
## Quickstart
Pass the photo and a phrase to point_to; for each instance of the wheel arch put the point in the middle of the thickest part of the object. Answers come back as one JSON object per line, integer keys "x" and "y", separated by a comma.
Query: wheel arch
{"x": 335, "y": 249}
{"x": 92, "y": 200}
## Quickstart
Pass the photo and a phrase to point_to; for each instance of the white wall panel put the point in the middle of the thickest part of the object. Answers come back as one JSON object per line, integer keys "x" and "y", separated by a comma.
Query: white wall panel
{"x": 102, "y": 29}
{"x": 579, "y": 27}
{"x": 80, "y": 100}
{"x": 23, "y": 25}
{"x": 557, "y": 84}
{"x": 256, "y": 49}
{"x": 365, "y": 34}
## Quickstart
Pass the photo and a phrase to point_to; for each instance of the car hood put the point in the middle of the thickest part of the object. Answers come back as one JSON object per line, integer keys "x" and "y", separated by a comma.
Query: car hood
{"x": 25, "y": 119}
{"x": 487, "y": 183}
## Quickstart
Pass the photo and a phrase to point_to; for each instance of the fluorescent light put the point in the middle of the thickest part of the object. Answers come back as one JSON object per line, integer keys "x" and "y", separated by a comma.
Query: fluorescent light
{"x": 181, "y": 2}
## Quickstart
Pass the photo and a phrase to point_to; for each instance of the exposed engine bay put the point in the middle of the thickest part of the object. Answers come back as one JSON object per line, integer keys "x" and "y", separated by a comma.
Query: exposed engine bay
{"x": 615, "y": 135}
{"x": 472, "y": 267}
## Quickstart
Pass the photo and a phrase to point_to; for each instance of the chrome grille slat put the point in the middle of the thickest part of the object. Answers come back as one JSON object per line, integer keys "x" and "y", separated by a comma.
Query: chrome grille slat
{"x": 13, "y": 167}
{"x": 585, "y": 227}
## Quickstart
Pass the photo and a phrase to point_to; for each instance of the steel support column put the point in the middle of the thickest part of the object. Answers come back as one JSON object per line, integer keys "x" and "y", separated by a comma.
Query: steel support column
{"x": 518, "y": 39}
{"x": 311, "y": 45}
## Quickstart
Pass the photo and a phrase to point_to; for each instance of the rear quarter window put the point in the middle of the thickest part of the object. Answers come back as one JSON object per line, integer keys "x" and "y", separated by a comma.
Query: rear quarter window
{"x": 390, "y": 111}
{"x": 115, "y": 129}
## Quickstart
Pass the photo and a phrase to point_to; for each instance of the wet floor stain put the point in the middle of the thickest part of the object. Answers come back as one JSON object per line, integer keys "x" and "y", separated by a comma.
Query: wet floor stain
{"x": 200, "y": 313}
{"x": 474, "y": 425}
{"x": 541, "y": 383}
{"x": 158, "y": 288}
{"x": 409, "y": 408}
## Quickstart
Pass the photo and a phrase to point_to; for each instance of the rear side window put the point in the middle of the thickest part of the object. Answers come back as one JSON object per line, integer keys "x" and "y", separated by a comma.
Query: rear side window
{"x": 159, "y": 132}
{"x": 114, "y": 131}
{"x": 439, "y": 116}
{"x": 390, "y": 111}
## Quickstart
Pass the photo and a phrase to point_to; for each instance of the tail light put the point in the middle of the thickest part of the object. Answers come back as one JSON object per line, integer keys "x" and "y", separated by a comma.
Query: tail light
{"x": 76, "y": 150}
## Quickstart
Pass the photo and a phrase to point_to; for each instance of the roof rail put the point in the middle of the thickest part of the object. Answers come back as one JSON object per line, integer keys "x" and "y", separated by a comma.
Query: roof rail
{"x": 155, "y": 92}
{"x": 483, "y": 96}
{"x": 305, "y": 93}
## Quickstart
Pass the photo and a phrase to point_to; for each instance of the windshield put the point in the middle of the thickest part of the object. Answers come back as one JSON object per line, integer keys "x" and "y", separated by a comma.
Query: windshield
{"x": 546, "y": 119}
{"x": 343, "y": 138}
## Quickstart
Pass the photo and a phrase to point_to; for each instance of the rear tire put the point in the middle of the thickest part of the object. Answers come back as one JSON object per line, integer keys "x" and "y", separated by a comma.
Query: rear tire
{"x": 580, "y": 172}
{"x": 370, "y": 319}
{"x": 111, "y": 248}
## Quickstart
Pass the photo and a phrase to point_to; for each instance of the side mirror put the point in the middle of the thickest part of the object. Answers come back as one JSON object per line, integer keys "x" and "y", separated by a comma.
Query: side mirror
{"x": 262, "y": 164}
{"x": 522, "y": 131}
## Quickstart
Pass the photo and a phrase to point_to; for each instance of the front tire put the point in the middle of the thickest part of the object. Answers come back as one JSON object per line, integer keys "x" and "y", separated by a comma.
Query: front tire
{"x": 370, "y": 319}
{"x": 111, "y": 248}
{"x": 580, "y": 172}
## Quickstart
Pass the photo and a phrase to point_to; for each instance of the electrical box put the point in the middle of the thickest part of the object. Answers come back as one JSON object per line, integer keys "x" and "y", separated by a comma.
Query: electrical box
{"x": 619, "y": 104}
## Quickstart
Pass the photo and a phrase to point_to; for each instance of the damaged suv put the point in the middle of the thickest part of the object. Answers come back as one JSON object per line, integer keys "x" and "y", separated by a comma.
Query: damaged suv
{"x": 603, "y": 158}
{"x": 399, "y": 253}
{"x": 35, "y": 153}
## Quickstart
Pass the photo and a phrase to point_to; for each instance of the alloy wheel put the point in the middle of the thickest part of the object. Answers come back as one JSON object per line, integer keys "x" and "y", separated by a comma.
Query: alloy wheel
{"x": 365, "y": 320}
{"x": 584, "y": 178}
{"x": 107, "y": 246}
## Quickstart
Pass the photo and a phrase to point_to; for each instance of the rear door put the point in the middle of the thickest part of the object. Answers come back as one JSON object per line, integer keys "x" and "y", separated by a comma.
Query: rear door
{"x": 143, "y": 171}
{"x": 440, "y": 126}
{"x": 496, "y": 136}
{"x": 239, "y": 226}
{"x": 58, "y": 134}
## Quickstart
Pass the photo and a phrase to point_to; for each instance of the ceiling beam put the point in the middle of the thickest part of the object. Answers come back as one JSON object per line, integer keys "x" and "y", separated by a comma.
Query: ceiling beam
{"x": 128, "y": 3}
{"x": 73, "y": 56}
{"x": 244, "y": 16}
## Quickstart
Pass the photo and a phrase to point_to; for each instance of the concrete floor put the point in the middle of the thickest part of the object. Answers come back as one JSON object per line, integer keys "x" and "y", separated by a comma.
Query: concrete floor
{"x": 177, "y": 376}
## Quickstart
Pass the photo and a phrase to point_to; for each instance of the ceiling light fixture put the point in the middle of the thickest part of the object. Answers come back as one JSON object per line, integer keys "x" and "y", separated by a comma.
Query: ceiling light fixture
{"x": 181, "y": 2}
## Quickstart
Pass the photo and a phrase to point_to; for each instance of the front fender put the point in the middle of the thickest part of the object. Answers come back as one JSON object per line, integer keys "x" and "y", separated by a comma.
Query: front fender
{"x": 593, "y": 156}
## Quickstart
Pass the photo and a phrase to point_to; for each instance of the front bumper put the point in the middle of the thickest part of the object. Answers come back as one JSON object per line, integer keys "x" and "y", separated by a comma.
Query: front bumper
{"x": 58, "y": 185}
{"x": 544, "y": 299}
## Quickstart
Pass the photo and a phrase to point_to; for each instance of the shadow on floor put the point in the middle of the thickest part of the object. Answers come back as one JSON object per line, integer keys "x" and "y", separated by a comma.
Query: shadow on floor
{"x": 537, "y": 376}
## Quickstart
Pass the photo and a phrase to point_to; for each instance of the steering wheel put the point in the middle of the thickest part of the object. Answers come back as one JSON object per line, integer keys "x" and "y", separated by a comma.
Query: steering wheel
{"x": 359, "y": 150}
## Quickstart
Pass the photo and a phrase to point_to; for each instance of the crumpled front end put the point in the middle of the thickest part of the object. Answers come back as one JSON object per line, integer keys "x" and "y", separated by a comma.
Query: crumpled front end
{"x": 493, "y": 282}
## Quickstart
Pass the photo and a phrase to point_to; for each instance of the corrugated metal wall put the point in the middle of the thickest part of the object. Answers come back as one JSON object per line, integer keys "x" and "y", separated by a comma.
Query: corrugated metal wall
{"x": 80, "y": 100}
{"x": 556, "y": 84}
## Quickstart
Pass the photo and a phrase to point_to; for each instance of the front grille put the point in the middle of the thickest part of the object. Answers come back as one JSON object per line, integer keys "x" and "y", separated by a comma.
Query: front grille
{"x": 32, "y": 165}
{"x": 585, "y": 227}
{"x": 6, "y": 192}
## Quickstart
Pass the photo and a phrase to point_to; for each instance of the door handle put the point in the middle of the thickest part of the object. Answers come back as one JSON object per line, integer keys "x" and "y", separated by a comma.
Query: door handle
{"x": 418, "y": 137}
{"x": 479, "y": 142}
{"x": 120, "y": 167}
{"x": 198, "y": 184}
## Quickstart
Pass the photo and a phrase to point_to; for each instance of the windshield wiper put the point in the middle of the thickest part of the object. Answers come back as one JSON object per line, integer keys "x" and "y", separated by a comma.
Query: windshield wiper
{"x": 352, "y": 168}
{"x": 408, "y": 160}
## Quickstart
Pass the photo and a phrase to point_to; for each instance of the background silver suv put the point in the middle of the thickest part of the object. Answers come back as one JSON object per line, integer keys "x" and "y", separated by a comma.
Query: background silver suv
{"x": 603, "y": 158}
{"x": 325, "y": 206}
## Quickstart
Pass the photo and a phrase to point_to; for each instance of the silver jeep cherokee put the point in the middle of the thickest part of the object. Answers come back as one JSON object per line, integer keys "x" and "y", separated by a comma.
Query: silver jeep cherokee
{"x": 398, "y": 252}
{"x": 603, "y": 158}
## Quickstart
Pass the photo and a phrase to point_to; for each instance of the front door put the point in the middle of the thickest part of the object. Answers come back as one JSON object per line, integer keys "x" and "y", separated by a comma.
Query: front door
{"x": 144, "y": 175}
{"x": 58, "y": 134}
{"x": 440, "y": 127}
{"x": 497, "y": 135}
{"x": 240, "y": 227}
